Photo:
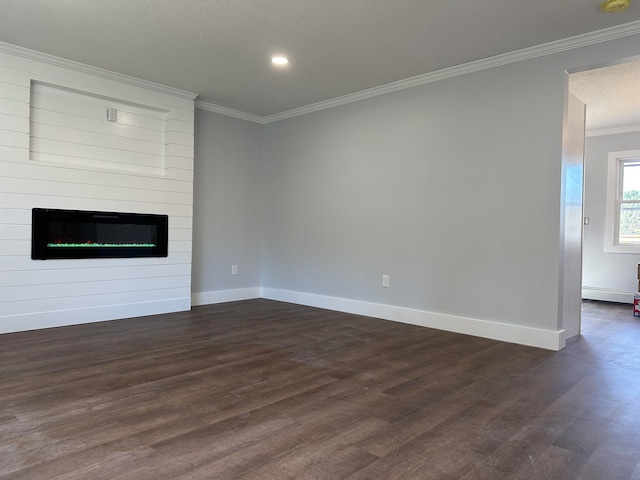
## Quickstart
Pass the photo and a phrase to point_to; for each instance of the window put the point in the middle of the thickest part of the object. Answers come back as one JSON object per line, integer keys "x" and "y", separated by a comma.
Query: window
{"x": 623, "y": 203}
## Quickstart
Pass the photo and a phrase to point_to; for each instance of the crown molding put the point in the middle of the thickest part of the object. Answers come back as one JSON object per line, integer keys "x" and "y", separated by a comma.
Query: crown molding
{"x": 97, "y": 71}
{"x": 229, "y": 112}
{"x": 578, "y": 41}
{"x": 612, "y": 131}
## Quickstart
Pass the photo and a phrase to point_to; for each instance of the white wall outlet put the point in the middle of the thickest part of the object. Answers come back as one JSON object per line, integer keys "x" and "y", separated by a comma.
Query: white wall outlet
{"x": 385, "y": 281}
{"x": 234, "y": 269}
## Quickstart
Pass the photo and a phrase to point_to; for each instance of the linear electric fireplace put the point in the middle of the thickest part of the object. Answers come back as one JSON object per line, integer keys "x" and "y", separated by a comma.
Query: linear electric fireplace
{"x": 85, "y": 234}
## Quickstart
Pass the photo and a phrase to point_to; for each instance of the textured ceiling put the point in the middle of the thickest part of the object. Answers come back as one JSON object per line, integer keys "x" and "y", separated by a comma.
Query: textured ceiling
{"x": 612, "y": 95}
{"x": 220, "y": 49}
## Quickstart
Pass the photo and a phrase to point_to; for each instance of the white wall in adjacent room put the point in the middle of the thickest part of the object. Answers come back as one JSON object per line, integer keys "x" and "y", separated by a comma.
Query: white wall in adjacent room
{"x": 606, "y": 276}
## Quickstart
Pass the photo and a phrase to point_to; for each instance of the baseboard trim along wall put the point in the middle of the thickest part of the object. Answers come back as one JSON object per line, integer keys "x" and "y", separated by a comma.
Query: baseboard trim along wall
{"x": 221, "y": 296}
{"x": 77, "y": 316}
{"x": 606, "y": 295}
{"x": 535, "y": 337}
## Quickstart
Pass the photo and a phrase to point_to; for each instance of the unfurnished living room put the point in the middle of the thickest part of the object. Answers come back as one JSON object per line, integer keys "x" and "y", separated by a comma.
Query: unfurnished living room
{"x": 337, "y": 240}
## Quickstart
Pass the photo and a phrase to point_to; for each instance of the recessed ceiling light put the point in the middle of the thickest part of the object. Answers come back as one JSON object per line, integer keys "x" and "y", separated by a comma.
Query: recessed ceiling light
{"x": 612, "y": 6}
{"x": 280, "y": 60}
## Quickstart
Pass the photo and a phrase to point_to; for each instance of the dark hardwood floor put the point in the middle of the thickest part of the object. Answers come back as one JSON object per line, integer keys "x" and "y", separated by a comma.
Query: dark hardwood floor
{"x": 267, "y": 390}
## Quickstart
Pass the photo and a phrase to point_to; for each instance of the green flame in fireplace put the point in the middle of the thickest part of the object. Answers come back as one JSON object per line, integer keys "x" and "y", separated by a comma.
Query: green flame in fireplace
{"x": 74, "y": 245}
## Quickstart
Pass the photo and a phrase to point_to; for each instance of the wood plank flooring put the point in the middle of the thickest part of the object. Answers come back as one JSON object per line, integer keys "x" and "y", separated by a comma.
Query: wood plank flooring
{"x": 267, "y": 390}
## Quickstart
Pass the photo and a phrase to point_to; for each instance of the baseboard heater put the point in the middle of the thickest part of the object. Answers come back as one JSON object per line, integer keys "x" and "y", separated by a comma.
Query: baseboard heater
{"x": 65, "y": 234}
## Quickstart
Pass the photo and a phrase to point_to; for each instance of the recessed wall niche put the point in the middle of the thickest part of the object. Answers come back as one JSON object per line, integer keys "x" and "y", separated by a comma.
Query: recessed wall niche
{"x": 83, "y": 130}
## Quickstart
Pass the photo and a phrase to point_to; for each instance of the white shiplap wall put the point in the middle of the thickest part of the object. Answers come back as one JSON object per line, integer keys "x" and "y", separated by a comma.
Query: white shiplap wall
{"x": 58, "y": 151}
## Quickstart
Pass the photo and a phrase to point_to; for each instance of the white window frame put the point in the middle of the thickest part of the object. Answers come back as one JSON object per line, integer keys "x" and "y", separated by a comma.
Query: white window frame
{"x": 614, "y": 193}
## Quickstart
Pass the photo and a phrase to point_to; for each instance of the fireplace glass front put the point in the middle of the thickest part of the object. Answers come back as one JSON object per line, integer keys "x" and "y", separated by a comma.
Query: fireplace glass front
{"x": 89, "y": 234}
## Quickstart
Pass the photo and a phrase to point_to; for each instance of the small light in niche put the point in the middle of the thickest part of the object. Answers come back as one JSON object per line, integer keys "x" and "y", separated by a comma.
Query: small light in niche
{"x": 112, "y": 114}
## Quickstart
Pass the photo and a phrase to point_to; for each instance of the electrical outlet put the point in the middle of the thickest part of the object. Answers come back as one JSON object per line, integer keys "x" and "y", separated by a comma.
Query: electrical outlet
{"x": 385, "y": 281}
{"x": 234, "y": 269}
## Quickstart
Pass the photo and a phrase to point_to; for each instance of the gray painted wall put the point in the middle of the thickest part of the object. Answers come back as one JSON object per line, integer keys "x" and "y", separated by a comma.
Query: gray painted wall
{"x": 226, "y": 217}
{"x": 443, "y": 187}
{"x": 610, "y": 271}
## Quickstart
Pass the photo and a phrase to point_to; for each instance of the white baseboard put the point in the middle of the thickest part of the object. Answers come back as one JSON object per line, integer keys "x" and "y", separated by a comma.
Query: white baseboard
{"x": 535, "y": 337}
{"x": 607, "y": 295}
{"x": 62, "y": 318}
{"x": 548, "y": 339}
{"x": 221, "y": 296}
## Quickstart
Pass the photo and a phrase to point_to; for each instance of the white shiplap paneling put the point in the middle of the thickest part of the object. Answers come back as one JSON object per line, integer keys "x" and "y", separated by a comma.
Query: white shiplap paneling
{"x": 98, "y": 287}
{"x": 86, "y": 175}
{"x": 31, "y": 200}
{"x": 9, "y": 263}
{"x": 57, "y": 150}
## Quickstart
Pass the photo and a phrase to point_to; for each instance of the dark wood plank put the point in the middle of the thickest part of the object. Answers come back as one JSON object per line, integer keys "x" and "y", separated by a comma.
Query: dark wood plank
{"x": 267, "y": 390}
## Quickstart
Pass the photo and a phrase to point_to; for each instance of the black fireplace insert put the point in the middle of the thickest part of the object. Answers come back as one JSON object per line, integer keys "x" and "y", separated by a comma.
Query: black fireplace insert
{"x": 88, "y": 234}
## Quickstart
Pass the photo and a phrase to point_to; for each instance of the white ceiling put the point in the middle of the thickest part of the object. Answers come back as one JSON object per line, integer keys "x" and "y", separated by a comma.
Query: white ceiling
{"x": 220, "y": 49}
